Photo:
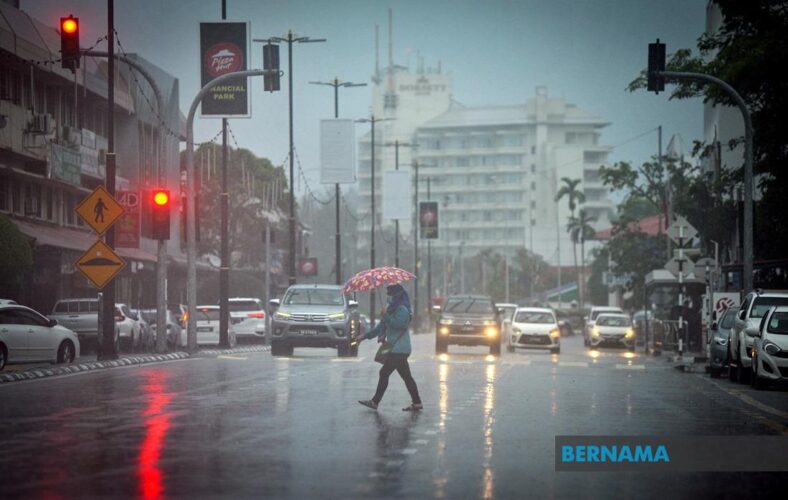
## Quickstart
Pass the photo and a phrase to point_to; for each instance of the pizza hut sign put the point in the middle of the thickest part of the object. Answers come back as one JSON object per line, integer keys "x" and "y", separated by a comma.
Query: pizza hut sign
{"x": 224, "y": 48}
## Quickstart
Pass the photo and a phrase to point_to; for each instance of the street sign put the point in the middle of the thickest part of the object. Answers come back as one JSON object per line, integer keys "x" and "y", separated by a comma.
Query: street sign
{"x": 100, "y": 264}
{"x": 675, "y": 230}
{"x": 724, "y": 300}
{"x": 127, "y": 232}
{"x": 307, "y": 266}
{"x": 700, "y": 267}
{"x": 673, "y": 266}
{"x": 100, "y": 210}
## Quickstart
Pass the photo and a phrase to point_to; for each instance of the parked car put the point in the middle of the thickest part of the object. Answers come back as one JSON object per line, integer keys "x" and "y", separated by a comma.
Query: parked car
{"x": 752, "y": 310}
{"x": 770, "y": 349}
{"x": 247, "y": 317}
{"x": 28, "y": 336}
{"x": 7, "y": 302}
{"x": 146, "y": 330}
{"x": 314, "y": 316}
{"x": 591, "y": 319}
{"x": 79, "y": 316}
{"x": 469, "y": 320}
{"x": 718, "y": 341}
{"x": 207, "y": 322}
{"x": 534, "y": 328}
{"x": 176, "y": 336}
{"x": 129, "y": 329}
{"x": 612, "y": 330}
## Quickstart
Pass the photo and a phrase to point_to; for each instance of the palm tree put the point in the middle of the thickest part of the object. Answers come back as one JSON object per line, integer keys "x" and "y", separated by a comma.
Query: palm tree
{"x": 575, "y": 196}
{"x": 580, "y": 229}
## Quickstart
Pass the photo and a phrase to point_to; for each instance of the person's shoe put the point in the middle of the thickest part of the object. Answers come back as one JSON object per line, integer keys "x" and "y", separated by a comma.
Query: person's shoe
{"x": 369, "y": 404}
{"x": 414, "y": 407}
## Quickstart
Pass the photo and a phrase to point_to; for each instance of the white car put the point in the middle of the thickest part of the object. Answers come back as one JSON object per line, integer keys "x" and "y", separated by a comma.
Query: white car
{"x": 770, "y": 349}
{"x": 129, "y": 328}
{"x": 591, "y": 319}
{"x": 247, "y": 318}
{"x": 613, "y": 329}
{"x": 753, "y": 308}
{"x": 27, "y": 336}
{"x": 534, "y": 328}
{"x": 207, "y": 321}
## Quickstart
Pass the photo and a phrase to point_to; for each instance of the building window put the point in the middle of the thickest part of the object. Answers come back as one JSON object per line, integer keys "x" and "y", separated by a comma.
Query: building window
{"x": 533, "y": 204}
{"x": 16, "y": 198}
{"x": 50, "y": 204}
{"x": 3, "y": 194}
{"x": 533, "y": 150}
{"x": 533, "y": 185}
{"x": 68, "y": 207}
{"x": 533, "y": 168}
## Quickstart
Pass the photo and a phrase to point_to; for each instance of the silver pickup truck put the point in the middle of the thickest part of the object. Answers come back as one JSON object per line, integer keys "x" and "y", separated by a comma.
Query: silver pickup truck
{"x": 79, "y": 316}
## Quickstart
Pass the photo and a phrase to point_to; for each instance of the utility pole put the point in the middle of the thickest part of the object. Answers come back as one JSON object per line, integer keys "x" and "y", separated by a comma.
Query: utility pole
{"x": 338, "y": 235}
{"x": 416, "y": 312}
{"x": 429, "y": 259}
{"x": 224, "y": 267}
{"x": 372, "y": 120}
{"x": 290, "y": 39}
{"x": 108, "y": 350}
{"x": 396, "y": 144}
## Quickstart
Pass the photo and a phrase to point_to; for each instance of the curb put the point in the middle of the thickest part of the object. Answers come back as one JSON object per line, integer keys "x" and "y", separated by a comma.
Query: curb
{"x": 36, "y": 373}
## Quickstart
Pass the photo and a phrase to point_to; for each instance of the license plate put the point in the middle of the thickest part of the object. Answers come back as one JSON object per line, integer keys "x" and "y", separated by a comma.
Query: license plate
{"x": 308, "y": 332}
{"x": 204, "y": 329}
{"x": 467, "y": 328}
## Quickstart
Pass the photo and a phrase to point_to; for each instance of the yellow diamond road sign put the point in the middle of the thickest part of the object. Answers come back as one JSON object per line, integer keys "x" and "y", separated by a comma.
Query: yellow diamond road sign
{"x": 100, "y": 264}
{"x": 100, "y": 210}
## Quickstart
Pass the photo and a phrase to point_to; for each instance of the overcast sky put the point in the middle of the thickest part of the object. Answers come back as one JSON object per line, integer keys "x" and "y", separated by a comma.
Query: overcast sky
{"x": 498, "y": 51}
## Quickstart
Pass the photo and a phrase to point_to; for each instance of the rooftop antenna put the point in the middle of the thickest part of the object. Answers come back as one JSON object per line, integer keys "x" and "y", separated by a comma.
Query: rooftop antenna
{"x": 376, "y": 78}
{"x": 390, "y": 99}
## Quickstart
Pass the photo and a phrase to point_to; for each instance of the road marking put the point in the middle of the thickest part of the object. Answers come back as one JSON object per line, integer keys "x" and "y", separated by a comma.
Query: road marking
{"x": 237, "y": 358}
{"x": 422, "y": 441}
{"x": 578, "y": 364}
{"x": 430, "y": 433}
{"x": 347, "y": 360}
{"x": 630, "y": 367}
{"x": 409, "y": 451}
{"x": 752, "y": 402}
{"x": 394, "y": 463}
{"x": 289, "y": 359}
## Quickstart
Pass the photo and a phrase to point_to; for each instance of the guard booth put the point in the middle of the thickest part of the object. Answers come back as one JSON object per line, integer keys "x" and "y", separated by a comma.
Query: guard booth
{"x": 662, "y": 294}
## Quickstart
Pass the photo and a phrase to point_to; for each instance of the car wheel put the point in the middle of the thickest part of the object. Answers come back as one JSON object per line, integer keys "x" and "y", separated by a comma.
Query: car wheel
{"x": 741, "y": 371}
{"x": 756, "y": 382}
{"x": 65, "y": 353}
{"x": 509, "y": 348}
{"x": 3, "y": 356}
{"x": 556, "y": 350}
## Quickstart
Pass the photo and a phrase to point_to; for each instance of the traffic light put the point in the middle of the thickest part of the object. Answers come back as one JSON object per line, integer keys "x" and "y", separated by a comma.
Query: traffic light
{"x": 160, "y": 214}
{"x": 428, "y": 220}
{"x": 69, "y": 42}
{"x": 271, "y": 61}
{"x": 656, "y": 62}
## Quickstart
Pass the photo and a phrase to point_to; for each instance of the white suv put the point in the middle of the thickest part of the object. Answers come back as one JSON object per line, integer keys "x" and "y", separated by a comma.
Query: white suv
{"x": 770, "y": 349}
{"x": 745, "y": 328}
{"x": 591, "y": 320}
{"x": 247, "y": 318}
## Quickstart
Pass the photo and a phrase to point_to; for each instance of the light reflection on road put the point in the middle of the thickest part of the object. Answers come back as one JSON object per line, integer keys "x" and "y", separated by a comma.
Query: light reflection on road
{"x": 157, "y": 424}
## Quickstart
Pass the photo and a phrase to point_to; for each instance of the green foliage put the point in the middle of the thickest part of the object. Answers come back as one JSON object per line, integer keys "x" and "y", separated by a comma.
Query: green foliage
{"x": 16, "y": 255}
{"x": 597, "y": 289}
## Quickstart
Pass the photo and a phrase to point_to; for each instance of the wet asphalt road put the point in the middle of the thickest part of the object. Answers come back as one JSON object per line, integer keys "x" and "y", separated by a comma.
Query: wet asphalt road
{"x": 249, "y": 425}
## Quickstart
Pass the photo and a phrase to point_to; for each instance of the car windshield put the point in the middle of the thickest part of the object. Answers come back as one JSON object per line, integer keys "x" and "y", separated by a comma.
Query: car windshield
{"x": 469, "y": 305}
{"x": 206, "y": 314}
{"x": 762, "y": 305}
{"x": 778, "y": 323}
{"x": 729, "y": 318}
{"x": 534, "y": 317}
{"x": 507, "y": 312}
{"x": 597, "y": 313}
{"x": 245, "y": 305}
{"x": 314, "y": 297}
{"x": 613, "y": 321}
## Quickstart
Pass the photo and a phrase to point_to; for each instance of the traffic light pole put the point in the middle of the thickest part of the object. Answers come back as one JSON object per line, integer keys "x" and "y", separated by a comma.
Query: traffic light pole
{"x": 224, "y": 267}
{"x": 747, "y": 258}
{"x": 191, "y": 246}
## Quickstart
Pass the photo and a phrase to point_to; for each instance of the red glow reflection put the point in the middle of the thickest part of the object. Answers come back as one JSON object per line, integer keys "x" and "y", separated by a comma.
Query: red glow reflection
{"x": 157, "y": 423}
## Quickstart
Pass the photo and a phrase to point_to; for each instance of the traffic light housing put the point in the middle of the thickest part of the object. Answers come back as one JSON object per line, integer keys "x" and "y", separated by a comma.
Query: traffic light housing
{"x": 69, "y": 42}
{"x": 428, "y": 220}
{"x": 161, "y": 206}
{"x": 656, "y": 62}
{"x": 271, "y": 61}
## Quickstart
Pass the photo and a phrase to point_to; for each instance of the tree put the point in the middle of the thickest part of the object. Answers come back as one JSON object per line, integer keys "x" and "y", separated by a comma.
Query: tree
{"x": 16, "y": 255}
{"x": 580, "y": 229}
{"x": 574, "y": 196}
{"x": 743, "y": 53}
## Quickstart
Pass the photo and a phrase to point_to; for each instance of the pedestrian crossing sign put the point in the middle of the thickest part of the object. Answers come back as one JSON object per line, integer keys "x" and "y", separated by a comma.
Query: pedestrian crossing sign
{"x": 100, "y": 210}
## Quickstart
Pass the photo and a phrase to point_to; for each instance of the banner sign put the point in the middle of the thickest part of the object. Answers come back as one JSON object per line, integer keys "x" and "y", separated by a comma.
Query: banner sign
{"x": 337, "y": 151}
{"x": 397, "y": 198}
{"x": 65, "y": 164}
{"x": 127, "y": 230}
{"x": 224, "y": 48}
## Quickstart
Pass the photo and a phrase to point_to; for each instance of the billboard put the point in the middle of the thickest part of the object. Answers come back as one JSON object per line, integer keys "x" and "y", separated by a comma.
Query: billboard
{"x": 396, "y": 195}
{"x": 127, "y": 231}
{"x": 337, "y": 152}
{"x": 428, "y": 220}
{"x": 224, "y": 48}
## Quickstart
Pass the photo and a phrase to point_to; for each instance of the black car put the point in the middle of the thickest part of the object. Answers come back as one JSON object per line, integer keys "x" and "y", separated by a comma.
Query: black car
{"x": 470, "y": 320}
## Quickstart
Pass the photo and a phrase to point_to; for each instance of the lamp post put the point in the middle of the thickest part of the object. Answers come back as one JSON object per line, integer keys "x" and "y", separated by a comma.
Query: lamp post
{"x": 290, "y": 39}
{"x": 335, "y": 83}
{"x": 372, "y": 121}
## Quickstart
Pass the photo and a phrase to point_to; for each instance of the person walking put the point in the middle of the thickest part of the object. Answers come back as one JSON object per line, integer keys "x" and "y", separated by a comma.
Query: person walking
{"x": 393, "y": 330}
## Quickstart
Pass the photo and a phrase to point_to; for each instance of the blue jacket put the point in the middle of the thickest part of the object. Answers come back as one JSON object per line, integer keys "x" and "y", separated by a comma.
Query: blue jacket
{"x": 395, "y": 324}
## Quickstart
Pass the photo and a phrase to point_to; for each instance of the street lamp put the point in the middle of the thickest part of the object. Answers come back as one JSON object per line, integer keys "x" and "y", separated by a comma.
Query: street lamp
{"x": 372, "y": 121}
{"x": 338, "y": 248}
{"x": 396, "y": 144}
{"x": 290, "y": 39}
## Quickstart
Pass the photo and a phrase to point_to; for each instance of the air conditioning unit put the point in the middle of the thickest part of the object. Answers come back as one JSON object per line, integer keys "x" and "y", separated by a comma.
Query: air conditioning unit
{"x": 42, "y": 124}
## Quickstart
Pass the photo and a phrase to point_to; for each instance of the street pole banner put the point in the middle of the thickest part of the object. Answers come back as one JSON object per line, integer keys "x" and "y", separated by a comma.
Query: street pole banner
{"x": 224, "y": 48}
{"x": 127, "y": 231}
{"x": 337, "y": 151}
{"x": 397, "y": 198}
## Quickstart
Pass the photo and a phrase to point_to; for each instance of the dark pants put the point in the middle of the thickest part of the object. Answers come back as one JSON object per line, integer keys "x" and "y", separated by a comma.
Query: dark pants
{"x": 398, "y": 362}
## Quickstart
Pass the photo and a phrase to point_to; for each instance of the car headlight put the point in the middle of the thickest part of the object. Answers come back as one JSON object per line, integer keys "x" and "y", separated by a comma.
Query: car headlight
{"x": 444, "y": 330}
{"x": 491, "y": 331}
{"x": 595, "y": 332}
{"x": 771, "y": 347}
{"x": 630, "y": 333}
{"x": 516, "y": 330}
{"x": 555, "y": 333}
{"x": 340, "y": 316}
{"x": 282, "y": 315}
{"x": 721, "y": 340}
{"x": 444, "y": 321}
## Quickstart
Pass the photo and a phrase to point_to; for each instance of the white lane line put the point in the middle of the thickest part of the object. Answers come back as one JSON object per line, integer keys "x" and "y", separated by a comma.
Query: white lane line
{"x": 578, "y": 364}
{"x": 347, "y": 360}
{"x": 226, "y": 356}
{"x": 289, "y": 359}
{"x": 630, "y": 367}
{"x": 422, "y": 441}
{"x": 409, "y": 451}
{"x": 394, "y": 463}
{"x": 430, "y": 433}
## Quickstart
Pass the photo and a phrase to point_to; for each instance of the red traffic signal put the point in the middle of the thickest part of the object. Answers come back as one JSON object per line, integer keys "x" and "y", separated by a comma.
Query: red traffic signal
{"x": 69, "y": 42}
{"x": 160, "y": 214}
